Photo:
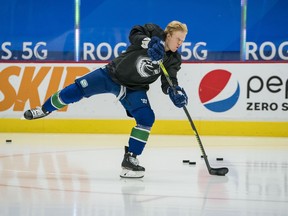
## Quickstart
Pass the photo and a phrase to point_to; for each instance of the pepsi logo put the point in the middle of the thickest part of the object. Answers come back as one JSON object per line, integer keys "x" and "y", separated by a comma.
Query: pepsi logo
{"x": 219, "y": 90}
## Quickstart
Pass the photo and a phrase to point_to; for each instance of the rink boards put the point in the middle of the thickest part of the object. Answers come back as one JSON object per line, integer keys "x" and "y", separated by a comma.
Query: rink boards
{"x": 231, "y": 98}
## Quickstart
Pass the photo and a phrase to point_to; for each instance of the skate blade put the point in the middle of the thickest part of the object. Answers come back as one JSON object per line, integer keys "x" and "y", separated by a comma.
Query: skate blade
{"x": 131, "y": 174}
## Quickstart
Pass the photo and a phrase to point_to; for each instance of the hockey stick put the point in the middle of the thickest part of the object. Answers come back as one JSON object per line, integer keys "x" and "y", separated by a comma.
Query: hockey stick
{"x": 212, "y": 171}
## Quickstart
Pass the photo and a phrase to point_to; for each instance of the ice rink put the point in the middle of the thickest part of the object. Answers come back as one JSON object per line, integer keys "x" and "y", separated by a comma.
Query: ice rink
{"x": 78, "y": 175}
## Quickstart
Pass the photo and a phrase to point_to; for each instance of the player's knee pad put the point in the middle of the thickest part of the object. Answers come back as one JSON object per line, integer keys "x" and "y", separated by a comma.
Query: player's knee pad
{"x": 144, "y": 116}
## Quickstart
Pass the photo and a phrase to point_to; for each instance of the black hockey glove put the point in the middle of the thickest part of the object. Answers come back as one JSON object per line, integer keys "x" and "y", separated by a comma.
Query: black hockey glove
{"x": 156, "y": 49}
{"x": 178, "y": 96}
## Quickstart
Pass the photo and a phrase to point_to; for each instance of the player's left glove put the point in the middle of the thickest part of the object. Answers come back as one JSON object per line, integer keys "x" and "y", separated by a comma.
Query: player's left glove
{"x": 178, "y": 96}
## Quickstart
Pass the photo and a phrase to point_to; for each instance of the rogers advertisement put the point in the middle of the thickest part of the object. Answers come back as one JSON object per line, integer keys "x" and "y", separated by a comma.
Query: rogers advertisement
{"x": 85, "y": 30}
{"x": 216, "y": 91}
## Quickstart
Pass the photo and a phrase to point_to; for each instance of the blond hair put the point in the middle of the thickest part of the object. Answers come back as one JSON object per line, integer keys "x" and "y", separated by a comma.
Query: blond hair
{"x": 175, "y": 26}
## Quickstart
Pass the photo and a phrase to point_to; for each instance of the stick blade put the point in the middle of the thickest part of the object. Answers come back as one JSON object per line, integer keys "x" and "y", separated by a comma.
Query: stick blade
{"x": 219, "y": 171}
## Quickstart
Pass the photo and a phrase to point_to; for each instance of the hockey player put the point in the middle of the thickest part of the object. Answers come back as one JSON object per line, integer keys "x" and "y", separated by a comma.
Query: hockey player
{"x": 128, "y": 77}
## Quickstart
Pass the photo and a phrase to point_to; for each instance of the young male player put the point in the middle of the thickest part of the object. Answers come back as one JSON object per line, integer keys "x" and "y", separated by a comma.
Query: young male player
{"x": 128, "y": 77}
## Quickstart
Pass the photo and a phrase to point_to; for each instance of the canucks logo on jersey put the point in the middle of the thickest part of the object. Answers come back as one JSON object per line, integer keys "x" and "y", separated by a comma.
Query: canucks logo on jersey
{"x": 146, "y": 68}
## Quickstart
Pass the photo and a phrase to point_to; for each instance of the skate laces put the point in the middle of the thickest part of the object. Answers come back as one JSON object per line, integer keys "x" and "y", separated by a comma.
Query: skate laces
{"x": 134, "y": 160}
{"x": 37, "y": 112}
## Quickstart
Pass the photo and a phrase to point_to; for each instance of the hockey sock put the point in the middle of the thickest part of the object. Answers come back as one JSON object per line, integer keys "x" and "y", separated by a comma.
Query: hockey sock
{"x": 60, "y": 99}
{"x": 54, "y": 103}
{"x": 138, "y": 138}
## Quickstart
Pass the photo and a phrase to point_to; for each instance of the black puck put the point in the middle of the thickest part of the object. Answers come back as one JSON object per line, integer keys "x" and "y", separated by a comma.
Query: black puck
{"x": 8, "y": 141}
{"x": 192, "y": 163}
{"x": 219, "y": 159}
{"x": 186, "y": 161}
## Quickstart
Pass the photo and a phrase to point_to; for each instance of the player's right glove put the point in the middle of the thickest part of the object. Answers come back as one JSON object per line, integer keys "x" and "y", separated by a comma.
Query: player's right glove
{"x": 155, "y": 49}
{"x": 153, "y": 40}
{"x": 178, "y": 96}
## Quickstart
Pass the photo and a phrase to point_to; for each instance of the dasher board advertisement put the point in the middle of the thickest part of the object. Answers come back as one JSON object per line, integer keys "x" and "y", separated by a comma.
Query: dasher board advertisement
{"x": 216, "y": 91}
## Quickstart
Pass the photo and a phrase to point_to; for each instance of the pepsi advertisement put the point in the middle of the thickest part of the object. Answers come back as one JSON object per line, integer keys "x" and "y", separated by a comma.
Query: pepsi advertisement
{"x": 223, "y": 30}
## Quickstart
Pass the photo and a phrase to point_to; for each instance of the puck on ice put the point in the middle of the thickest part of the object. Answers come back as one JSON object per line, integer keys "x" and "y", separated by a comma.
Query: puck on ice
{"x": 192, "y": 163}
{"x": 186, "y": 161}
{"x": 8, "y": 141}
{"x": 219, "y": 159}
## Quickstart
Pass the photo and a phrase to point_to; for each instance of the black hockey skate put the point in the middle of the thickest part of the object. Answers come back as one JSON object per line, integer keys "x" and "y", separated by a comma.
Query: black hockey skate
{"x": 38, "y": 112}
{"x": 131, "y": 167}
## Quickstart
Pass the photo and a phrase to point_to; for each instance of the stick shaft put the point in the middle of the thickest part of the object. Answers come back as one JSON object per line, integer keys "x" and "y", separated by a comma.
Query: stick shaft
{"x": 197, "y": 137}
{"x": 189, "y": 118}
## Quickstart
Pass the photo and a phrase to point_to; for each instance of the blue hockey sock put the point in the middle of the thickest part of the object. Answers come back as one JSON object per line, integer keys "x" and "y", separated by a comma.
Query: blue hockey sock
{"x": 138, "y": 138}
{"x": 60, "y": 99}
{"x": 54, "y": 103}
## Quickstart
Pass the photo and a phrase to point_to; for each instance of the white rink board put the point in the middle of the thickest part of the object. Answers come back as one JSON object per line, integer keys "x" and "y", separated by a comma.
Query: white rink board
{"x": 265, "y": 83}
